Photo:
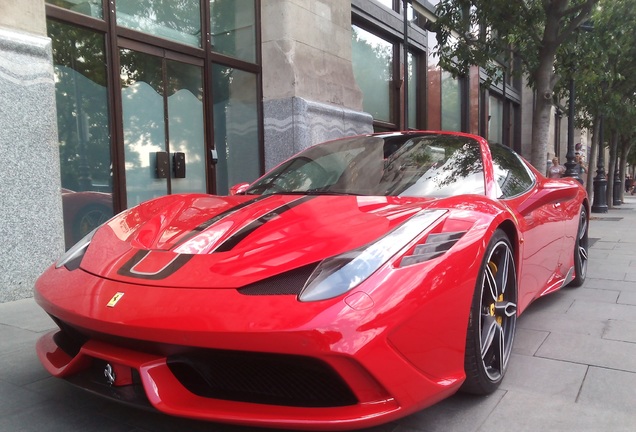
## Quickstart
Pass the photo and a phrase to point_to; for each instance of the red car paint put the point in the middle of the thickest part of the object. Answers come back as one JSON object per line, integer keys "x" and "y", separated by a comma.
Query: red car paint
{"x": 159, "y": 280}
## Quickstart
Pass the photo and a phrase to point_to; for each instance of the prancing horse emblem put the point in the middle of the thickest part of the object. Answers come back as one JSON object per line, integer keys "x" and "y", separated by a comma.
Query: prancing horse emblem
{"x": 113, "y": 301}
{"x": 109, "y": 373}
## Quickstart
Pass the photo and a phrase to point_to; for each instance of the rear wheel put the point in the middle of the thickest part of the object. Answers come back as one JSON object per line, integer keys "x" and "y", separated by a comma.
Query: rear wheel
{"x": 580, "y": 250}
{"x": 493, "y": 318}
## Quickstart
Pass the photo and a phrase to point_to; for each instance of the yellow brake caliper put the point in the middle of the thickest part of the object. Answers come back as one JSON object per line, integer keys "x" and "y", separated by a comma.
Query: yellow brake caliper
{"x": 493, "y": 268}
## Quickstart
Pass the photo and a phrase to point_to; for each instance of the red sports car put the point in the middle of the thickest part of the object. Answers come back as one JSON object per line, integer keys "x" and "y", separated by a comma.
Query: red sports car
{"x": 359, "y": 281}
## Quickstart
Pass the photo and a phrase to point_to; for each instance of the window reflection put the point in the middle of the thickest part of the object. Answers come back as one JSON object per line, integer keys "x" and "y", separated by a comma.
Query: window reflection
{"x": 236, "y": 127}
{"x": 233, "y": 28}
{"x": 143, "y": 123}
{"x": 91, "y": 8}
{"x": 83, "y": 128}
{"x": 495, "y": 124}
{"x": 372, "y": 59}
{"x": 146, "y": 99}
{"x": 185, "y": 123}
{"x": 412, "y": 90}
{"x": 179, "y": 21}
{"x": 511, "y": 175}
{"x": 382, "y": 165}
{"x": 451, "y": 103}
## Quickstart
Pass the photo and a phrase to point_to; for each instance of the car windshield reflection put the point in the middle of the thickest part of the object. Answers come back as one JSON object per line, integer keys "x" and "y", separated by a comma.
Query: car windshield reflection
{"x": 419, "y": 165}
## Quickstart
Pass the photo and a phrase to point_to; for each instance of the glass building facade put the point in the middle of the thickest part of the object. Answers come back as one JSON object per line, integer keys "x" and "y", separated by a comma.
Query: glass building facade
{"x": 158, "y": 97}
{"x": 153, "y": 97}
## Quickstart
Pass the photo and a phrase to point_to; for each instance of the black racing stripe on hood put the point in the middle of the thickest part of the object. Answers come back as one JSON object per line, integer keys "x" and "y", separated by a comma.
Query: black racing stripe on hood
{"x": 128, "y": 268}
{"x": 231, "y": 242}
{"x": 208, "y": 223}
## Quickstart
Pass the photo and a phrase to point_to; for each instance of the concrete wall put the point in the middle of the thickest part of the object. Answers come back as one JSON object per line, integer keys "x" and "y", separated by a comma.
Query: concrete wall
{"x": 309, "y": 90}
{"x": 31, "y": 232}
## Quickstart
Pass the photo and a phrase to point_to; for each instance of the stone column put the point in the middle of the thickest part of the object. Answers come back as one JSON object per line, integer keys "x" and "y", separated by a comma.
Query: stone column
{"x": 31, "y": 228}
{"x": 310, "y": 94}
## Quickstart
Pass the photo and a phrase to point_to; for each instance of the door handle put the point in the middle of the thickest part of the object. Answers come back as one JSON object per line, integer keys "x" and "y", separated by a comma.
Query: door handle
{"x": 179, "y": 165}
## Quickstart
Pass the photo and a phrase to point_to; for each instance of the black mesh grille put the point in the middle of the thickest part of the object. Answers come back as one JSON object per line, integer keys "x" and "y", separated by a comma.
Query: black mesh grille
{"x": 288, "y": 283}
{"x": 273, "y": 379}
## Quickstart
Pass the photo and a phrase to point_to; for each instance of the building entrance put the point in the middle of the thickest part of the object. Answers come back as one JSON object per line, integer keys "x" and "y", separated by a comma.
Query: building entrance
{"x": 162, "y": 120}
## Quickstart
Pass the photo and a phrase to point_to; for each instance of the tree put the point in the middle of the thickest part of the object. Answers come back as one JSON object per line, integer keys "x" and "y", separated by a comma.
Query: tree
{"x": 606, "y": 81}
{"x": 491, "y": 34}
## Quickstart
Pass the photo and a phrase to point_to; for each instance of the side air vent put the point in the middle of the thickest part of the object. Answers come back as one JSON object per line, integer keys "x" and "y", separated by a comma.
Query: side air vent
{"x": 288, "y": 283}
{"x": 435, "y": 246}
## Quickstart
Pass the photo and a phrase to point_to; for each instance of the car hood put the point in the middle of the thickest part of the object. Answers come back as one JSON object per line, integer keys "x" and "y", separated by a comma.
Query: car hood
{"x": 228, "y": 242}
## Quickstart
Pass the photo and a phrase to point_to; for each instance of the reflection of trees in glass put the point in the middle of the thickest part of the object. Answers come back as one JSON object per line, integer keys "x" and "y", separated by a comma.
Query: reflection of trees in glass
{"x": 510, "y": 173}
{"x": 236, "y": 126}
{"x": 179, "y": 20}
{"x": 391, "y": 165}
{"x": 464, "y": 159}
{"x": 82, "y": 107}
{"x": 372, "y": 59}
{"x": 440, "y": 160}
{"x": 412, "y": 90}
{"x": 451, "y": 103}
{"x": 232, "y": 27}
{"x": 87, "y": 7}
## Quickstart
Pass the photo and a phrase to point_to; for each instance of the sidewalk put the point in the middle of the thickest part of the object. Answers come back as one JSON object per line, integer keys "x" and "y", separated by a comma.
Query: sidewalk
{"x": 573, "y": 366}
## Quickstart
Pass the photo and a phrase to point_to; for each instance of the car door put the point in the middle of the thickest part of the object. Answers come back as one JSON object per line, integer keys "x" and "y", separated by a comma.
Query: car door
{"x": 539, "y": 214}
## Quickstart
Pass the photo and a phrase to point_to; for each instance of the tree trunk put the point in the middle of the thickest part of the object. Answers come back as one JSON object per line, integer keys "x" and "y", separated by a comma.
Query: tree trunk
{"x": 545, "y": 80}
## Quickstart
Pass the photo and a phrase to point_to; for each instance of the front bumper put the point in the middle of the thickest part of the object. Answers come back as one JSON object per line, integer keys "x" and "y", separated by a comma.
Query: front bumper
{"x": 153, "y": 337}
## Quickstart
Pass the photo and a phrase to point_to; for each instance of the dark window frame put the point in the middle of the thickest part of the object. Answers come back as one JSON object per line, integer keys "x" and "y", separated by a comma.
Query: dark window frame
{"x": 117, "y": 37}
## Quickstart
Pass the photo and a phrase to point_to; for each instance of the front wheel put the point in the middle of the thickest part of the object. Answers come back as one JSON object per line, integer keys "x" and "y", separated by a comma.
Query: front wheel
{"x": 581, "y": 246}
{"x": 493, "y": 318}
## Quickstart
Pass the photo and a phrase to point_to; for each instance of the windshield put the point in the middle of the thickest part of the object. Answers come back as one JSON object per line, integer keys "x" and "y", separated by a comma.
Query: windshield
{"x": 382, "y": 165}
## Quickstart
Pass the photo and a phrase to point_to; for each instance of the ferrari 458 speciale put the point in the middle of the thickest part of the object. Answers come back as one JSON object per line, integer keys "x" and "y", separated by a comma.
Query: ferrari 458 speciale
{"x": 359, "y": 281}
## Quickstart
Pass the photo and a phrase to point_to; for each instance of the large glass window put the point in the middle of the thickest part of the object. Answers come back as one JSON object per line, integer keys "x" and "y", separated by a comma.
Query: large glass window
{"x": 451, "y": 103}
{"x": 236, "y": 127}
{"x": 91, "y": 8}
{"x": 83, "y": 128}
{"x": 179, "y": 21}
{"x": 161, "y": 117}
{"x": 232, "y": 28}
{"x": 413, "y": 81}
{"x": 373, "y": 70}
{"x": 495, "y": 122}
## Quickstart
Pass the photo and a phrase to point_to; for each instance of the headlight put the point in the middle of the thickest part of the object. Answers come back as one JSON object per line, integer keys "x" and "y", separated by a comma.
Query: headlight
{"x": 72, "y": 257}
{"x": 337, "y": 275}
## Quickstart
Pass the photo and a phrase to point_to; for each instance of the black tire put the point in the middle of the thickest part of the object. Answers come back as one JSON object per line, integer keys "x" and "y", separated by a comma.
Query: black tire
{"x": 493, "y": 318}
{"x": 581, "y": 246}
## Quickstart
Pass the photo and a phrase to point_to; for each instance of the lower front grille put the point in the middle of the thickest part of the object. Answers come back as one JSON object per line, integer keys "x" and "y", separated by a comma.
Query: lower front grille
{"x": 273, "y": 379}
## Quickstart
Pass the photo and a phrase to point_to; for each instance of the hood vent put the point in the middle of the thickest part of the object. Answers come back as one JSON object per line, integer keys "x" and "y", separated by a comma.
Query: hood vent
{"x": 435, "y": 246}
{"x": 288, "y": 283}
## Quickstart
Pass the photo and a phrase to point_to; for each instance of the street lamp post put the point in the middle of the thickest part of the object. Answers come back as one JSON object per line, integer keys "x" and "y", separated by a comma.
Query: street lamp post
{"x": 599, "y": 205}
{"x": 616, "y": 199}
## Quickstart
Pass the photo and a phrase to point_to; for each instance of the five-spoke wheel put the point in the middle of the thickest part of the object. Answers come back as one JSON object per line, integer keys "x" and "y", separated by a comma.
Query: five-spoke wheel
{"x": 493, "y": 318}
{"x": 580, "y": 250}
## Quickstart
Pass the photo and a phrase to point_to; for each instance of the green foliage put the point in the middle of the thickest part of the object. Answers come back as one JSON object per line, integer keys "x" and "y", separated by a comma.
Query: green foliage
{"x": 491, "y": 33}
{"x": 606, "y": 76}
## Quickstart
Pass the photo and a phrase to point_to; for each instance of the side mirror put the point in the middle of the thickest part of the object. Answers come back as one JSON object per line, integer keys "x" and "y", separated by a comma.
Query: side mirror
{"x": 239, "y": 189}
